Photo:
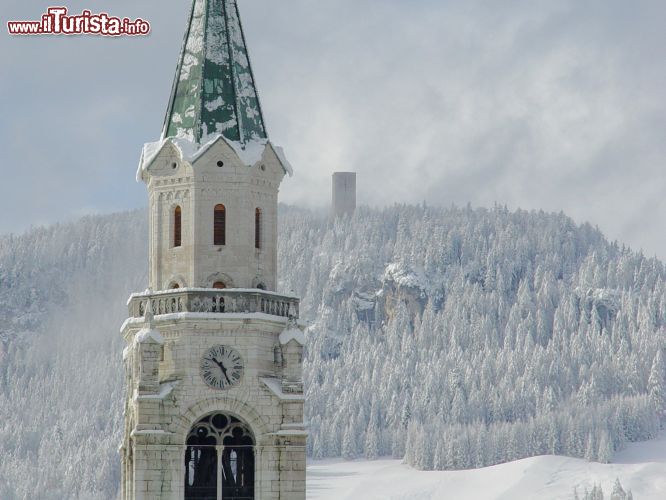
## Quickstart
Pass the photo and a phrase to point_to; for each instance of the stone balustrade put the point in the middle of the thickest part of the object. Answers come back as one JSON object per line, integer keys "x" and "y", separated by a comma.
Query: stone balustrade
{"x": 226, "y": 301}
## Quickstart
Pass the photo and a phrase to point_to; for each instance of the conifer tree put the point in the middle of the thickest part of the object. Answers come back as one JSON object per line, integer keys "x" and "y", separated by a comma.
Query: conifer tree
{"x": 605, "y": 453}
{"x": 618, "y": 492}
{"x": 372, "y": 441}
{"x": 349, "y": 443}
{"x": 657, "y": 385}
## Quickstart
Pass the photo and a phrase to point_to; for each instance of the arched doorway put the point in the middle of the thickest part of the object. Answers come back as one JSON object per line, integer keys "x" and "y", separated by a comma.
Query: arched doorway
{"x": 219, "y": 460}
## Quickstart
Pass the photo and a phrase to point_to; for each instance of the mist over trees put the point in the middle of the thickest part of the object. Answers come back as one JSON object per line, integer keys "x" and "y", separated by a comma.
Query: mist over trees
{"x": 62, "y": 299}
{"x": 453, "y": 337}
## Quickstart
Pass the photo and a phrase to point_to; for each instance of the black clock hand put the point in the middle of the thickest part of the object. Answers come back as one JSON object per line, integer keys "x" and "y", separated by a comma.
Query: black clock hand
{"x": 224, "y": 370}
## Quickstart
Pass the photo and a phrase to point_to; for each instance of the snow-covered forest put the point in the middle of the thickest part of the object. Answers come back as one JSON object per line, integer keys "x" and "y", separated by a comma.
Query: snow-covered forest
{"x": 462, "y": 338}
{"x": 62, "y": 300}
{"x": 454, "y": 337}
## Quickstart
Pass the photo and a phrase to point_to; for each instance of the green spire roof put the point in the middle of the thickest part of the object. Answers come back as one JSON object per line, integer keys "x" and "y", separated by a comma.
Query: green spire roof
{"x": 214, "y": 90}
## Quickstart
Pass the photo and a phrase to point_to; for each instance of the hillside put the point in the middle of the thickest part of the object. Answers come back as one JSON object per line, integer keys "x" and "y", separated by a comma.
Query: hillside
{"x": 62, "y": 299}
{"x": 464, "y": 338}
{"x": 641, "y": 470}
{"x": 454, "y": 337}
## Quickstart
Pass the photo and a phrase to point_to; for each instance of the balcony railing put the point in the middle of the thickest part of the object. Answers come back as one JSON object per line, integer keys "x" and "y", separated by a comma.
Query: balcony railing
{"x": 204, "y": 300}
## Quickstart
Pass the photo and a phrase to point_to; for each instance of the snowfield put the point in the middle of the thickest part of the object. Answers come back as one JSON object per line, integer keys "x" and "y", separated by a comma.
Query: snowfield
{"x": 641, "y": 468}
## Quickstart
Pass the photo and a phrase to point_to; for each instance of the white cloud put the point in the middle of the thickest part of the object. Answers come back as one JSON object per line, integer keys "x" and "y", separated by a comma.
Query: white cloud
{"x": 553, "y": 105}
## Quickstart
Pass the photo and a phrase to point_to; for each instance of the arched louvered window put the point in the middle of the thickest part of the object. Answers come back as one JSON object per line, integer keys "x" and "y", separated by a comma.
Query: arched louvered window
{"x": 220, "y": 225}
{"x": 219, "y": 460}
{"x": 177, "y": 227}
{"x": 257, "y": 228}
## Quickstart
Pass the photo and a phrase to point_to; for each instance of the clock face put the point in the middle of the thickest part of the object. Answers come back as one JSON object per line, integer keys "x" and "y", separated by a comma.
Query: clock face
{"x": 222, "y": 367}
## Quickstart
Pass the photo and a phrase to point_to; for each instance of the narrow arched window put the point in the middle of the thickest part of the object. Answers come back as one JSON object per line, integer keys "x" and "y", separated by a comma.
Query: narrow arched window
{"x": 257, "y": 228}
{"x": 220, "y": 225}
{"x": 177, "y": 227}
{"x": 220, "y": 285}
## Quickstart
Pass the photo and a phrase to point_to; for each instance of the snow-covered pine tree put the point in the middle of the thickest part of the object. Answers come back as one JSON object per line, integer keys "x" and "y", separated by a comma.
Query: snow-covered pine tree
{"x": 657, "y": 385}
{"x": 618, "y": 492}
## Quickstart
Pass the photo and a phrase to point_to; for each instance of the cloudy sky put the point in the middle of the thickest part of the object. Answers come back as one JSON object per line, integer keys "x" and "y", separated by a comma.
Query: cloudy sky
{"x": 538, "y": 104}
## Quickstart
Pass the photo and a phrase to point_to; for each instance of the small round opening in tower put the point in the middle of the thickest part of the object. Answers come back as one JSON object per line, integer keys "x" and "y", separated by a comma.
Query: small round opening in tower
{"x": 220, "y": 164}
{"x": 174, "y": 165}
{"x": 263, "y": 168}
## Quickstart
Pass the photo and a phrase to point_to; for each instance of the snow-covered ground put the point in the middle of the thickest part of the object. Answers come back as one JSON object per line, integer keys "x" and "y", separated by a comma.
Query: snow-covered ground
{"x": 640, "y": 468}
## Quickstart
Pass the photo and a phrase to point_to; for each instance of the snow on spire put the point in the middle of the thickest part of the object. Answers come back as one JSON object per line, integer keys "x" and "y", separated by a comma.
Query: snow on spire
{"x": 214, "y": 91}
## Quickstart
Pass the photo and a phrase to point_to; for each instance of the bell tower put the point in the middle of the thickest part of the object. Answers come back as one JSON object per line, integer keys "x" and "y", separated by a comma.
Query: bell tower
{"x": 213, "y": 362}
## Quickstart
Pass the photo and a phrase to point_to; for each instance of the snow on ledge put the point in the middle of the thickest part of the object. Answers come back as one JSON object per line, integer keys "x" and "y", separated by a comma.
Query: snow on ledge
{"x": 206, "y": 316}
{"x": 275, "y": 387}
{"x": 279, "y": 152}
{"x": 292, "y": 333}
{"x": 165, "y": 389}
{"x": 150, "y": 432}
{"x": 290, "y": 433}
{"x": 147, "y": 335}
{"x": 294, "y": 426}
{"x": 249, "y": 153}
{"x": 402, "y": 275}
{"x": 151, "y": 293}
